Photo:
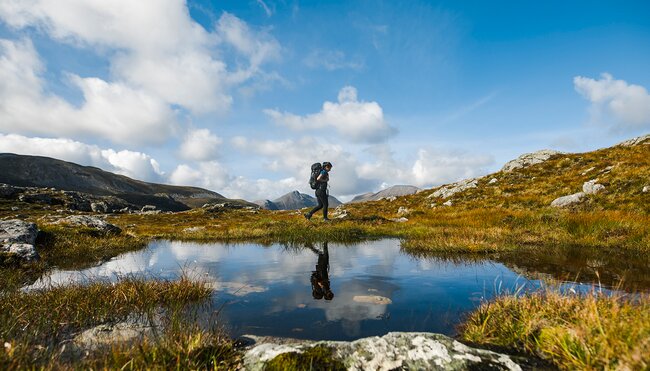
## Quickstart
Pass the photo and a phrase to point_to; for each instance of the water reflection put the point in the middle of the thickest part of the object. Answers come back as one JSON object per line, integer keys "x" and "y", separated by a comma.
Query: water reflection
{"x": 320, "y": 281}
{"x": 326, "y": 290}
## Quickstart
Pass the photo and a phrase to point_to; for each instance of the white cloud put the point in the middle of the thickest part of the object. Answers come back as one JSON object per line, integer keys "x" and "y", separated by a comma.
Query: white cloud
{"x": 211, "y": 175}
{"x": 627, "y": 104}
{"x": 331, "y": 60}
{"x": 109, "y": 110}
{"x": 431, "y": 167}
{"x": 200, "y": 145}
{"x": 136, "y": 165}
{"x": 355, "y": 120}
{"x": 153, "y": 45}
{"x": 438, "y": 167}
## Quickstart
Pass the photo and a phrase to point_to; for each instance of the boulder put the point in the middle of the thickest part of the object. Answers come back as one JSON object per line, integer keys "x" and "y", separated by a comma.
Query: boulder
{"x": 148, "y": 208}
{"x": 448, "y": 203}
{"x": 646, "y": 189}
{"x": 103, "y": 336}
{"x": 8, "y": 191}
{"x": 33, "y": 198}
{"x": 493, "y": 180}
{"x": 18, "y": 237}
{"x": 529, "y": 159}
{"x": 92, "y": 222}
{"x": 99, "y": 207}
{"x": 569, "y": 200}
{"x": 403, "y": 211}
{"x": 451, "y": 189}
{"x": 592, "y": 187}
{"x": 395, "y": 350}
{"x": 400, "y": 220}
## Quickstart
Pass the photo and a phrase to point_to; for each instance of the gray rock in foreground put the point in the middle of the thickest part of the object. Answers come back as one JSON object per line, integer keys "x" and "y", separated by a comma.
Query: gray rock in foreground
{"x": 18, "y": 237}
{"x": 569, "y": 200}
{"x": 592, "y": 187}
{"x": 93, "y": 222}
{"x": 395, "y": 350}
{"x": 529, "y": 159}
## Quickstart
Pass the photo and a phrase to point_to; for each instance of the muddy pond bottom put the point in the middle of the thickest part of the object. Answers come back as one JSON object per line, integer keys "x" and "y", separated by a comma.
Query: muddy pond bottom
{"x": 320, "y": 291}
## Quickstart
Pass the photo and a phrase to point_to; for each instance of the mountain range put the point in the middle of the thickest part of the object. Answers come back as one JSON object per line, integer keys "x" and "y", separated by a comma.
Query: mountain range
{"x": 45, "y": 172}
{"x": 394, "y": 191}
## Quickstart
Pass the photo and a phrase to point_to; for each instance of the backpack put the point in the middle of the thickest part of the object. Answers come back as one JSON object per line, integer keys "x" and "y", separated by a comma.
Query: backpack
{"x": 315, "y": 171}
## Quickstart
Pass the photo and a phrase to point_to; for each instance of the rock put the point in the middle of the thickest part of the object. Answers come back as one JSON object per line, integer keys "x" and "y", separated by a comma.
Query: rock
{"x": 213, "y": 208}
{"x": 389, "y": 199}
{"x": 569, "y": 200}
{"x": 36, "y": 198}
{"x": 529, "y": 159}
{"x": 646, "y": 189}
{"x": 592, "y": 187}
{"x": 90, "y": 222}
{"x": 400, "y": 220}
{"x": 493, "y": 180}
{"x": 588, "y": 170}
{"x": 15, "y": 208}
{"x": 403, "y": 211}
{"x": 18, "y": 237}
{"x": 451, "y": 189}
{"x": 148, "y": 208}
{"x": 395, "y": 350}
{"x": 103, "y": 336}
{"x": 193, "y": 229}
{"x": 635, "y": 141}
{"x": 99, "y": 207}
{"x": 372, "y": 299}
{"x": 340, "y": 213}
{"x": 448, "y": 203}
{"x": 8, "y": 191}
{"x": 433, "y": 205}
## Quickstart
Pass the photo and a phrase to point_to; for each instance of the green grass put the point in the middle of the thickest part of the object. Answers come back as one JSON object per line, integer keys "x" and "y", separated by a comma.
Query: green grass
{"x": 586, "y": 332}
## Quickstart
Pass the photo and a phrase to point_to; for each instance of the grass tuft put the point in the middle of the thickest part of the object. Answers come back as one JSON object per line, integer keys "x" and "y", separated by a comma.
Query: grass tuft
{"x": 590, "y": 331}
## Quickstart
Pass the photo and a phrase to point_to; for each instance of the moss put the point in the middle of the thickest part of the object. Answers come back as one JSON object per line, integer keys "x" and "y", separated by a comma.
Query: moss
{"x": 315, "y": 358}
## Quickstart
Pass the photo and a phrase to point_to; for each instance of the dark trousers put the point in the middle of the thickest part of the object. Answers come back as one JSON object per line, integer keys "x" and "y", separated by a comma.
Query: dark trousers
{"x": 321, "y": 196}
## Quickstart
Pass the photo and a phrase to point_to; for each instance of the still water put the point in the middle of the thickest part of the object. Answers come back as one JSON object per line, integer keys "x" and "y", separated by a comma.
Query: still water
{"x": 320, "y": 291}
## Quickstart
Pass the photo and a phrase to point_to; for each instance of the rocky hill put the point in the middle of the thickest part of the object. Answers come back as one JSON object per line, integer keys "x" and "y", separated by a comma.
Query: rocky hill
{"x": 613, "y": 178}
{"x": 43, "y": 172}
{"x": 394, "y": 191}
{"x": 294, "y": 201}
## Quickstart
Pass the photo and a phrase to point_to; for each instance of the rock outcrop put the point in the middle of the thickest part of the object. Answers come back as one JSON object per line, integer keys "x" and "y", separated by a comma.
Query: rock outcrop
{"x": 529, "y": 159}
{"x": 592, "y": 187}
{"x": 106, "y": 335}
{"x": 92, "y": 222}
{"x": 636, "y": 141}
{"x": 451, "y": 189}
{"x": 18, "y": 237}
{"x": 395, "y": 350}
{"x": 569, "y": 200}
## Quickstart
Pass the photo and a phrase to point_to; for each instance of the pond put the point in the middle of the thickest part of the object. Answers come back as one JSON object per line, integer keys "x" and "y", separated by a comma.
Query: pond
{"x": 323, "y": 291}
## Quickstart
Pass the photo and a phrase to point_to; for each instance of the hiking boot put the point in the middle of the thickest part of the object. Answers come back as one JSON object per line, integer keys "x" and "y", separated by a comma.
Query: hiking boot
{"x": 307, "y": 216}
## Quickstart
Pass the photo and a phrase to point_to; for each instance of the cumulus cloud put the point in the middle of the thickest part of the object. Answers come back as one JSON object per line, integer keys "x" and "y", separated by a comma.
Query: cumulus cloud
{"x": 200, "y": 145}
{"x": 132, "y": 164}
{"x": 294, "y": 157}
{"x": 627, "y": 104}
{"x": 430, "y": 168}
{"x": 355, "y": 120}
{"x": 109, "y": 110}
{"x": 154, "y": 46}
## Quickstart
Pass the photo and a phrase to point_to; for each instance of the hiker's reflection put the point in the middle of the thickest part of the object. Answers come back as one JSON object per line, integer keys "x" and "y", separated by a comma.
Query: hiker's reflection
{"x": 320, "y": 281}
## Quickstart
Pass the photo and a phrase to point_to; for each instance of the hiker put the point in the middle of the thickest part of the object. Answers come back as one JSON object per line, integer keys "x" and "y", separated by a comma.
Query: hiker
{"x": 320, "y": 282}
{"x": 319, "y": 183}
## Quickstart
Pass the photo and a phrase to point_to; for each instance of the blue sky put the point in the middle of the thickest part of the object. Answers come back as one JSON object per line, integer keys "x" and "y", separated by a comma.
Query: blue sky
{"x": 242, "y": 96}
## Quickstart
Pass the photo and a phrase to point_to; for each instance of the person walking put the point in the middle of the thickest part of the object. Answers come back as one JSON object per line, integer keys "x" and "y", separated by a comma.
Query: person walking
{"x": 321, "y": 192}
